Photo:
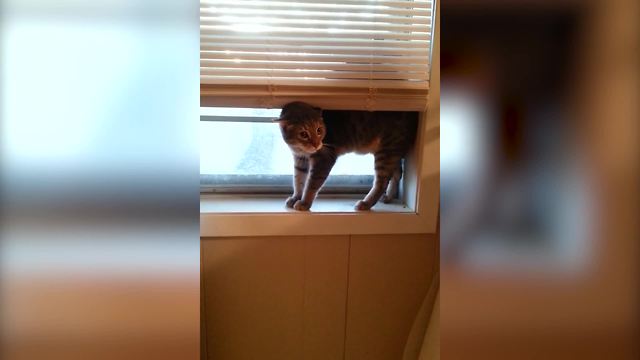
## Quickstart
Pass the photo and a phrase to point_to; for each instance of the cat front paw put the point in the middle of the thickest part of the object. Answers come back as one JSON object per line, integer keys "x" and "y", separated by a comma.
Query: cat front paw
{"x": 301, "y": 206}
{"x": 362, "y": 205}
{"x": 386, "y": 199}
{"x": 291, "y": 200}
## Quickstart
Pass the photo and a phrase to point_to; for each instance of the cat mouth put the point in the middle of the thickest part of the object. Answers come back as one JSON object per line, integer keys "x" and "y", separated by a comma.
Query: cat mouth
{"x": 312, "y": 149}
{"x": 307, "y": 149}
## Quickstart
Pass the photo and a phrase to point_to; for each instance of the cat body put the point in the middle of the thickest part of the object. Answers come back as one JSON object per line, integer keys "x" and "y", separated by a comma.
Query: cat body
{"x": 317, "y": 138}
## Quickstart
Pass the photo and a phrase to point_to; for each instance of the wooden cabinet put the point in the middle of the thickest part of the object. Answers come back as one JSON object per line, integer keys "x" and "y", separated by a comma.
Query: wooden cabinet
{"x": 313, "y": 297}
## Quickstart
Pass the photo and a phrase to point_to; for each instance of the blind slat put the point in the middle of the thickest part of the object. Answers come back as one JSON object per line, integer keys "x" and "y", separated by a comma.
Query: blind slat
{"x": 275, "y": 11}
{"x": 383, "y": 84}
{"x": 385, "y": 18}
{"x": 251, "y": 64}
{"x": 286, "y": 13}
{"x": 316, "y": 24}
{"x": 324, "y": 74}
{"x": 266, "y": 7}
{"x": 359, "y": 59}
{"x": 338, "y": 34}
{"x": 222, "y": 39}
{"x": 312, "y": 49}
{"x": 326, "y": 97}
{"x": 389, "y": 3}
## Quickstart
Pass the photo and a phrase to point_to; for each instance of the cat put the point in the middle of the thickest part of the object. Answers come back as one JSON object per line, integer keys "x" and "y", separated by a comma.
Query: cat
{"x": 317, "y": 138}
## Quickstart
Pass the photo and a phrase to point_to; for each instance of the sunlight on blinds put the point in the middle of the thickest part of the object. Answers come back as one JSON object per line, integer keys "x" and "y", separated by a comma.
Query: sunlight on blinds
{"x": 356, "y": 43}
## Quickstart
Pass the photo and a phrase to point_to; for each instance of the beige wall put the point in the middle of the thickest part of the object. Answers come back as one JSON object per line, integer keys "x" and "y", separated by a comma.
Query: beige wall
{"x": 314, "y": 297}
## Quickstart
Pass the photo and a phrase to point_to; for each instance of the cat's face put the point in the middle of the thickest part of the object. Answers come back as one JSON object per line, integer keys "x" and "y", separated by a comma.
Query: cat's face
{"x": 302, "y": 127}
{"x": 303, "y": 136}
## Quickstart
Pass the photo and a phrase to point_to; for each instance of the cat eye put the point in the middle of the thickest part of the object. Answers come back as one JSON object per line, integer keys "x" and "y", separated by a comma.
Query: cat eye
{"x": 304, "y": 135}
{"x": 319, "y": 130}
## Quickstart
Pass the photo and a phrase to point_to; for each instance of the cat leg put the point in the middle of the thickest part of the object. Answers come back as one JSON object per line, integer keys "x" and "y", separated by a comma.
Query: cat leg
{"x": 301, "y": 169}
{"x": 379, "y": 184}
{"x": 394, "y": 184}
{"x": 385, "y": 165}
{"x": 321, "y": 164}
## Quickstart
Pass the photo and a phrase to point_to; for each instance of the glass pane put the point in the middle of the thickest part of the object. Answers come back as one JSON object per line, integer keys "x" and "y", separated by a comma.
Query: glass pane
{"x": 222, "y": 111}
{"x": 257, "y": 148}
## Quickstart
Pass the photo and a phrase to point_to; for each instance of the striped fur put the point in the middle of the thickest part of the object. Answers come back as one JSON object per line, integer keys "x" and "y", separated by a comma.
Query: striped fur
{"x": 317, "y": 138}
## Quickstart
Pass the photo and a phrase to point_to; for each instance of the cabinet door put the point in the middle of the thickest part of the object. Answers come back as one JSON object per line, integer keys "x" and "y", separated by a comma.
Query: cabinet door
{"x": 389, "y": 277}
{"x": 275, "y": 297}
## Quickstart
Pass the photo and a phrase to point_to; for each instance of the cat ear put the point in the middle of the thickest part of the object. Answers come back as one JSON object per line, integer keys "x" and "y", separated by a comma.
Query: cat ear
{"x": 318, "y": 110}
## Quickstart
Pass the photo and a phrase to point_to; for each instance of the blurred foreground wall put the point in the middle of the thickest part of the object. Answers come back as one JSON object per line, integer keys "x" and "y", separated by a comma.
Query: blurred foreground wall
{"x": 99, "y": 235}
{"x": 539, "y": 179}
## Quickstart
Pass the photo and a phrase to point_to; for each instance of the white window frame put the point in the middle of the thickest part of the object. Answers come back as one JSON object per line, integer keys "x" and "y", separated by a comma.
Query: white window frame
{"x": 421, "y": 192}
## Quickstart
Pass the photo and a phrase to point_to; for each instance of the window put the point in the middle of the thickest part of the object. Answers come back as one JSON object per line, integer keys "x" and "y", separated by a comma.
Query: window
{"x": 257, "y": 55}
{"x": 242, "y": 151}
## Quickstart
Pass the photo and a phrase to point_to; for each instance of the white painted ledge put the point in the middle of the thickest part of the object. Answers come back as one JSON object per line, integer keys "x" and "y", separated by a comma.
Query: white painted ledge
{"x": 275, "y": 204}
{"x": 237, "y": 215}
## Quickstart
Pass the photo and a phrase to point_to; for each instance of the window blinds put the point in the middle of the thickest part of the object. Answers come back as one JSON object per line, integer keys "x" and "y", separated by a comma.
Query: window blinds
{"x": 356, "y": 54}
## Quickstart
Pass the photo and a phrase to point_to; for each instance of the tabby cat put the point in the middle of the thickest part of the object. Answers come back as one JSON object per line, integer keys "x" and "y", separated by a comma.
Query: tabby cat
{"x": 316, "y": 139}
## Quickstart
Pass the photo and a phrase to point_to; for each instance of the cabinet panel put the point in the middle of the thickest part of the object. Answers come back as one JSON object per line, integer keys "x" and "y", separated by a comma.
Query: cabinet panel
{"x": 389, "y": 276}
{"x": 275, "y": 297}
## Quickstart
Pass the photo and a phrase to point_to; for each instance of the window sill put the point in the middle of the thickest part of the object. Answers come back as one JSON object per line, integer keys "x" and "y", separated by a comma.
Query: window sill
{"x": 242, "y": 215}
